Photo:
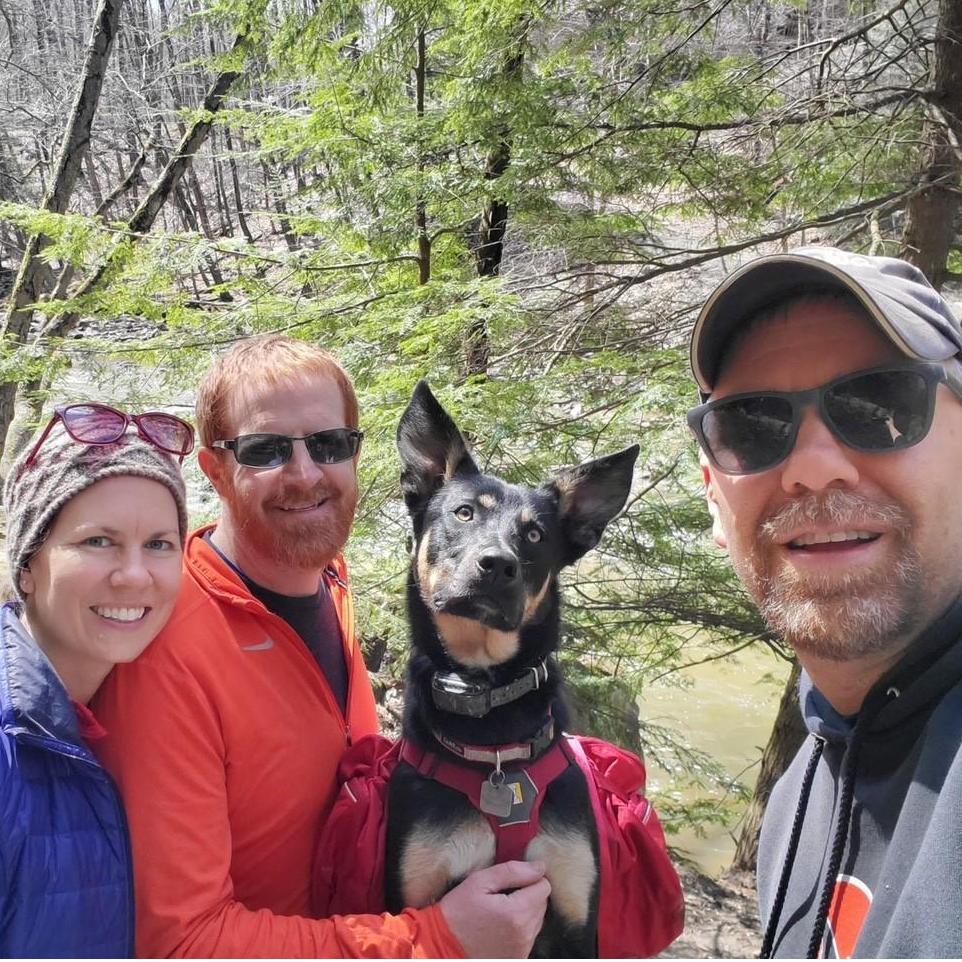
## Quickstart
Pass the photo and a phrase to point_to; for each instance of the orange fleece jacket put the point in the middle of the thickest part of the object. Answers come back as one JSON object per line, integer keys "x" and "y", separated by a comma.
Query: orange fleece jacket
{"x": 224, "y": 737}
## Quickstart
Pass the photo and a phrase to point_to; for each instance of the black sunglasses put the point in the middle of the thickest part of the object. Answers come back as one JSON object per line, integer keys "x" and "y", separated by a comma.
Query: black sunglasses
{"x": 273, "y": 450}
{"x": 884, "y": 408}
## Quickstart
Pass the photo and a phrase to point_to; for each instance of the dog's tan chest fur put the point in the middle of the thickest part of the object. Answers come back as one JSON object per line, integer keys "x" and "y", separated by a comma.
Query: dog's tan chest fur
{"x": 472, "y": 643}
{"x": 433, "y": 858}
{"x": 570, "y": 868}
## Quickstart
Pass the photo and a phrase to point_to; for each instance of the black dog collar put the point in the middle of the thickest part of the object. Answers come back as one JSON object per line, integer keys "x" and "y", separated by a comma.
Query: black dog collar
{"x": 452, "y": 692}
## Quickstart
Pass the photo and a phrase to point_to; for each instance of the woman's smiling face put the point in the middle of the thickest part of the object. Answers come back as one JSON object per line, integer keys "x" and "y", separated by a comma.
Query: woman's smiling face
{"x": 105, "y": 580}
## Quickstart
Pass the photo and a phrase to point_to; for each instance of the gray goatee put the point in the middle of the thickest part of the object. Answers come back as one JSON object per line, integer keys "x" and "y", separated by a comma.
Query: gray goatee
{"x": 839, "y": 617}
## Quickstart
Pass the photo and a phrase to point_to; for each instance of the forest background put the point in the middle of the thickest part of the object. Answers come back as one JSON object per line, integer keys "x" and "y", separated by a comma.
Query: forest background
{"x": 524, "y": 201}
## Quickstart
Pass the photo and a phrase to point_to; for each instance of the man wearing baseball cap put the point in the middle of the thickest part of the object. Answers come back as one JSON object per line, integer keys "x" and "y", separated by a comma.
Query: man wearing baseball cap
{"x": 831, "y": 435}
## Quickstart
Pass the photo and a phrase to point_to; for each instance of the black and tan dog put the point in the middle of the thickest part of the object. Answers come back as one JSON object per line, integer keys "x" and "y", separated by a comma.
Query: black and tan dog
{"x": 484, "y": 763}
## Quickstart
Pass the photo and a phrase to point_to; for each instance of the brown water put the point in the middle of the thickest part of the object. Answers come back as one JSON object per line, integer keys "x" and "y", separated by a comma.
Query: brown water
{"x": 726, "y": 710}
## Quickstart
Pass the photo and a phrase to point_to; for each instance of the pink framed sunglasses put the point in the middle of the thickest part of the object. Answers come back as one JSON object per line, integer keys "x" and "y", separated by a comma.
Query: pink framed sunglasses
{"x": 96, "y": 423}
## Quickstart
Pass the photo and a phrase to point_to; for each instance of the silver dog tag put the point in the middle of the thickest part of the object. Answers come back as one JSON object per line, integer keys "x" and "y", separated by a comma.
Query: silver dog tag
{"x": 496, "y": 797}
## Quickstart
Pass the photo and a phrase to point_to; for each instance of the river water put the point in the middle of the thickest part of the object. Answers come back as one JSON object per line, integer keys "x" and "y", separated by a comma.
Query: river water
{"x": 726, "y": 709}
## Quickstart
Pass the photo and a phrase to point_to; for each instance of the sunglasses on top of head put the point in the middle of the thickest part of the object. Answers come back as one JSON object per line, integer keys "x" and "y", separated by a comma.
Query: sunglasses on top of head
{"x": 886, "y": 408}
{"x": 272, "y": 450}
{"x": 95, "y": 423}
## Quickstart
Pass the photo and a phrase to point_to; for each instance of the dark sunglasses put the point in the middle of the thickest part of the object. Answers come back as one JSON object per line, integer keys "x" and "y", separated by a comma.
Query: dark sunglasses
{"x": 880, "y": 409}
{"x": 96, "y": 423}
{"x": 273, "y": 450}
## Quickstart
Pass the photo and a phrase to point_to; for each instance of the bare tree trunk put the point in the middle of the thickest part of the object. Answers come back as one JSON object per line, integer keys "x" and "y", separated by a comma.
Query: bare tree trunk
{"x": 420, "y": 213}
{"x": 43, "y": 162}
{"x": 73, "y": 149}
{"x": 235, "y": 181}
{"x": 76, "y": 142}
{"x": 931, "y": 215}
{"x": 187, "y": 215}
{"x": 200, "y": 205}
{"x": 46, "y": 34}
{"x": 226, "y": 226}
{"x": 13, "y": 31}
{"x": 144, "y": 216}
{"x": 132, "y": 178}
{"x": 140, "y": 223}
{"x": 92, "y": 179}
{"x": 223, "y": 204}
{"x": 788, "y": 733}
{"x": 274, "y": 190}
{"x": 492, "y": 226}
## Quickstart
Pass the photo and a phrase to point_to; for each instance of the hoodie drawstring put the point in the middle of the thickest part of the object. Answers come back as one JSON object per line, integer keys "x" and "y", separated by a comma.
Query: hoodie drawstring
{"x": 849, "y": 761}
{"x": 840, "y": 838}
{"x": 769, "y": 940}
{"x": 867, "y": 716}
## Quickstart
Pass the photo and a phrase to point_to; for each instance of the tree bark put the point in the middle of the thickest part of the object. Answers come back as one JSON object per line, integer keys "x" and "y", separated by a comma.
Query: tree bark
{"x": 226, "y": 227}
{"x": 187, "y": 215}
{"x": 143, "y": 217}
{"x": 235, "y": 183}
{"x": 931, "y": 215}
{"x": 132, "y": 178}
{"x": 200, "y": 205}
{"x": 275, "y": 192}
{"x": 76, "y": 142}
{"x": 492, "y": 225}
{"x": 421, "y": 212}
{"x": 46, "y": 35}
{"x": 29, "y": 284}
{"x": 13, "y": 32}
{"x": 92, "y": 179}
{"x": 788, "y": 733}
{"x": 140, "y": 223}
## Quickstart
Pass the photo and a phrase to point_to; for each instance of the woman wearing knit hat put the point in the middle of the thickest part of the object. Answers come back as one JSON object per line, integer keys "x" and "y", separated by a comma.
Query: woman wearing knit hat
{"x": 96, "y": 520}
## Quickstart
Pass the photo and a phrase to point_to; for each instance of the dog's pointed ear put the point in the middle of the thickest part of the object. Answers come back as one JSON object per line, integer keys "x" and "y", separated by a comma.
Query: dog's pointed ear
{"x": 431, "y": 447}
{"x": 589, "y": 496}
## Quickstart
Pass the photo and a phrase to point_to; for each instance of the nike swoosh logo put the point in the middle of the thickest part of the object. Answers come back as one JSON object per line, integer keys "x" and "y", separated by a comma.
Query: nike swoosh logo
{"x": 265, "y": 645}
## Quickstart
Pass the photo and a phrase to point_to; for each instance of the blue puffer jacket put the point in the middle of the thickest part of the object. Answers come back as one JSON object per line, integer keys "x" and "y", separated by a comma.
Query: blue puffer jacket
{"x": 65, "y": 874}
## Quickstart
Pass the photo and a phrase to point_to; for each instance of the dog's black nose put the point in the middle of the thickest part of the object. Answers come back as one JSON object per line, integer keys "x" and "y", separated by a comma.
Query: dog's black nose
{"x": 498, "y": 566}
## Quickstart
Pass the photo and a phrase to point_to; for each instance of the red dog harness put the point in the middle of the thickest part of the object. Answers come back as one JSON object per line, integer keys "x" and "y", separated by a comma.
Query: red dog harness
{"x": 523, "y": 786}
{"x": 640, "y": 908}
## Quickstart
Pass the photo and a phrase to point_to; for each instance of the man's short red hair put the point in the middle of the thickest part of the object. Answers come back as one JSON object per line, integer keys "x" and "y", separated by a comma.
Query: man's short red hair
{"x": 259, "y": 362}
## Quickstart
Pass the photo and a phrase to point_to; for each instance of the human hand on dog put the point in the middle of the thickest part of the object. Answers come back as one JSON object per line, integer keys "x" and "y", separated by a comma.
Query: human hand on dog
{"x": 497, "y": 912}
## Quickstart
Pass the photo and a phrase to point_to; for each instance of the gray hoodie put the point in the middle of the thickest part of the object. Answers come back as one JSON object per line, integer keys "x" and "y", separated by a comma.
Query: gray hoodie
{"x": 861, "y": 847}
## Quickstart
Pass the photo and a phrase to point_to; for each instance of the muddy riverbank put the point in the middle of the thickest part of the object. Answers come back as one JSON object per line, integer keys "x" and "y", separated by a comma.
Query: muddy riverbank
{"x": 721, "y": 918}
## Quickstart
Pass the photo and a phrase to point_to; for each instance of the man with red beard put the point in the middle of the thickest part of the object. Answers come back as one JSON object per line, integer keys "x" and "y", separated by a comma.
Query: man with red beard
{"x": 225, "y": 741}
{"x": 831, "y": 437}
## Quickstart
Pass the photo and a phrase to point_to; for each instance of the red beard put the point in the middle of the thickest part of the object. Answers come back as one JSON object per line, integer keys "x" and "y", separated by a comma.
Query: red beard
{"x": 293, "y": 540}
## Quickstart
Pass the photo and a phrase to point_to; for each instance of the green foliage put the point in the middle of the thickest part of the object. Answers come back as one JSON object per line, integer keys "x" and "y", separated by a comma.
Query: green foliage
{"x": 621, "y": 137}
{"x": 71, "y": 238}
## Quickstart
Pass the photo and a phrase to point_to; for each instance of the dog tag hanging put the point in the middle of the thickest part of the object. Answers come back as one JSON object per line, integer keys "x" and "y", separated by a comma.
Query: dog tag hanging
{"x": 496, "y": 797}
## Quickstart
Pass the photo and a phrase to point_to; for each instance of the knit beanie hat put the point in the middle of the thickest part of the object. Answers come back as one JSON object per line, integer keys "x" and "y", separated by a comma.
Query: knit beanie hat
{"x": 62, "y": 469}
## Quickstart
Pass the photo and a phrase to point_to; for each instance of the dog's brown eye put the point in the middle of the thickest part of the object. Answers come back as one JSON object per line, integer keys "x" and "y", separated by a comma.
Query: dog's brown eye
{"x": 464, "y": 513}
{"x": 534, "y": 535}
